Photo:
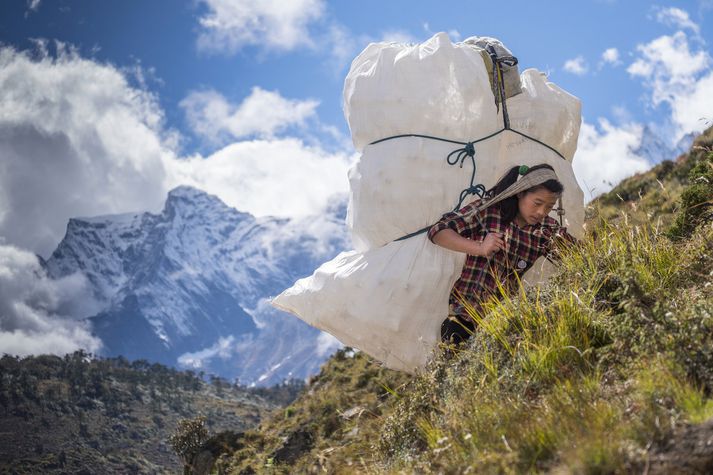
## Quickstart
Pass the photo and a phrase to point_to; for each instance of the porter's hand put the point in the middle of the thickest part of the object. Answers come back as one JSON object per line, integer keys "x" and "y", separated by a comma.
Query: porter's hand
{"x": 492, "y": 243}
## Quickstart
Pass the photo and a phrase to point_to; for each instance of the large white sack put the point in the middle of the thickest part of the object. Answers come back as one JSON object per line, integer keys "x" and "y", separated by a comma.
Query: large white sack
{"x": 435, "y": 88}
{"x": 546, "y": 112}
{"x": 388, "y": 302}
{"x": 401, "y": 185}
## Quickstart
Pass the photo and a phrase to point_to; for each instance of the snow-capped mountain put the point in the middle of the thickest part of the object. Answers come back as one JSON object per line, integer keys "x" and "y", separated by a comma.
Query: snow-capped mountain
{"x": 189, "y": 286}
{"x": 655, "y": 149}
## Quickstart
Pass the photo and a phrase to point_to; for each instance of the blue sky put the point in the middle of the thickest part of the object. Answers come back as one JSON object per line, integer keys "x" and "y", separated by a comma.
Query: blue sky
{"x": 198, "y": 90}
{"x": 162, "y": 37}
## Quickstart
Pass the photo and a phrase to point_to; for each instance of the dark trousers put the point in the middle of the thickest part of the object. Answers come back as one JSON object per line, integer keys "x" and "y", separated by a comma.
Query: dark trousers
{"x": 456, "y": 329}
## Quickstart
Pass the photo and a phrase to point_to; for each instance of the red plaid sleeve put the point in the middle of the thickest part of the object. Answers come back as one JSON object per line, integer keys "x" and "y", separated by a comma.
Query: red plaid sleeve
{"x": 455, "y": 220}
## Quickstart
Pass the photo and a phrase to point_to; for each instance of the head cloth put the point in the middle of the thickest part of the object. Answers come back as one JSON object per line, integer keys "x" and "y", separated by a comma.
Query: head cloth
{"x": 524, "y": 183}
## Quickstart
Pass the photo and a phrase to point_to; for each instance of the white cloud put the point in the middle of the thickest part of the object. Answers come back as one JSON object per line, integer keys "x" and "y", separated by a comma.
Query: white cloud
{"x": 76, "y": 139}
{"x": 274, "y": 26}
{"x": 343, "y": 47}
{"x": 33, "y": 5}
{"x": 669, "y": 58}
{"x": 327, "y": 344}
{"x": 679, "y": 77}
{"x": 271, "y": 25}
{"x": 605, "y": 156}
{"x": 677, "y": 18}
{"x": 39, "y": 314}
{"x": 611, "y": 56}
{"x": 454, "y": 35}
{"x": 223, "y": 349}
{"x": 324, "y": 232}
{"x": 576, "y": 66}
{"x": 279, "y": 177}
{"x": 229, "y": 25}
{"x": 621, "y": 114}
{"x": 692, "y": 110}
{"x": 263, "y": 113}
{"x": 675, "y": 75}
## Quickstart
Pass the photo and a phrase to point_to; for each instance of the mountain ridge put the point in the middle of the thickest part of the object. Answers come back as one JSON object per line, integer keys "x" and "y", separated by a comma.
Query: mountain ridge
{"x": 198, "y": 272}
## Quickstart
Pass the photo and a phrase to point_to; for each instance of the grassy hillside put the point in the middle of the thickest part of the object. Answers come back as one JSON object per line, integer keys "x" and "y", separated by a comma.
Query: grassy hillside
{"x": 608, "y": 369}
{"x": 333, "y": 425}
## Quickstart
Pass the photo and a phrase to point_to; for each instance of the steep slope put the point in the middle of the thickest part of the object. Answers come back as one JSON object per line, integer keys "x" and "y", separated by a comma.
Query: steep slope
{"x": 608, "y": 369}
{"x": 332, "y": 426}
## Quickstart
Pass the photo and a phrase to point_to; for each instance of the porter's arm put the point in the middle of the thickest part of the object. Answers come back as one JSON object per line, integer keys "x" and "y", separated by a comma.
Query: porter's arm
{"x": 453, "y": 231}
{"x": 450, "y": 239}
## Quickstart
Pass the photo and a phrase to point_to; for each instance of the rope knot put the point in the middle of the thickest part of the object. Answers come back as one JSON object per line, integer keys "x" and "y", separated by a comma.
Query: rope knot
{"x": 461, "y": 154}
{"x": 475, "y": 190}
{"x": 478, "y": 190}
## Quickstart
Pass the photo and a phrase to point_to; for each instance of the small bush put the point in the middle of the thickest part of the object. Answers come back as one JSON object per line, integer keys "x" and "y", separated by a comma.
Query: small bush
{"x": 696, "y": 199}
{"x": 189, "y": 436}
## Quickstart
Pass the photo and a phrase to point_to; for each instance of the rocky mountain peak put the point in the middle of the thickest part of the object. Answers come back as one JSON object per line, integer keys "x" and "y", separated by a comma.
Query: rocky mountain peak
{"x": 193, "y": 203}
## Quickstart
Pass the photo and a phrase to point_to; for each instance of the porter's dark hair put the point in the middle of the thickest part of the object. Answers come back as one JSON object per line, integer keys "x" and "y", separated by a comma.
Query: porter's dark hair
{"x": 508, "y": 206}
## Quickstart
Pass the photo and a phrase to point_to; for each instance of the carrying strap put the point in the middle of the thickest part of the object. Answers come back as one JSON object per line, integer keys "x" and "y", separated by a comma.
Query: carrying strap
{"x": 523, "y": 183}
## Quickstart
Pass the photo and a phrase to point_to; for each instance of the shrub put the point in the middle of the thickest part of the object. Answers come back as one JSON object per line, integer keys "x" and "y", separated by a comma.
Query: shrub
{"x": 696, "y": 199}
{"x": 188, "y": 438}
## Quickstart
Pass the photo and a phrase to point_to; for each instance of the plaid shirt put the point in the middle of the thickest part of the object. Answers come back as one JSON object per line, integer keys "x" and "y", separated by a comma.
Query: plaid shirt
{"x": 480, "y": 275}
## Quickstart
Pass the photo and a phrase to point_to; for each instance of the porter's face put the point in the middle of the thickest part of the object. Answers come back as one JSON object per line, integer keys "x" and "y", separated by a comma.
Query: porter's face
{"x": 533, "y": 206}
